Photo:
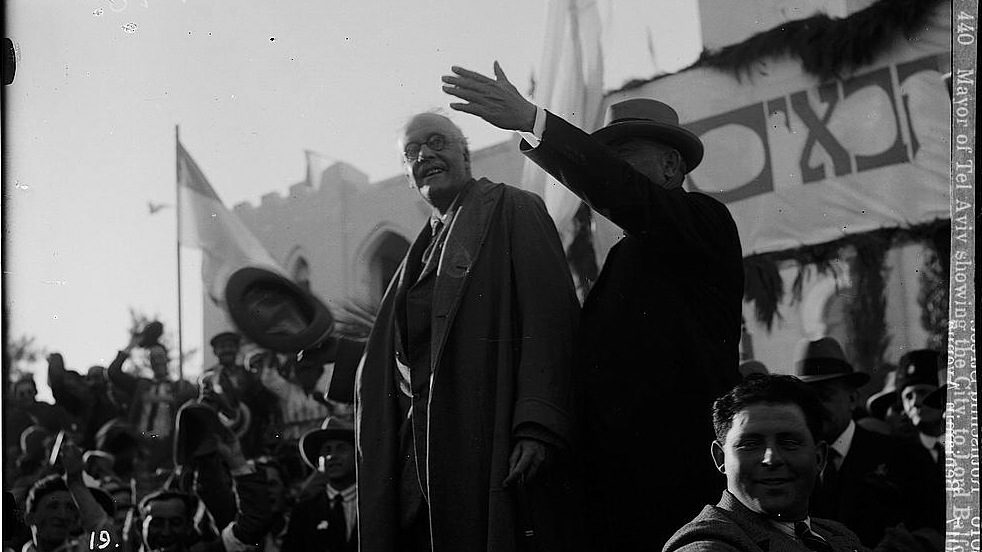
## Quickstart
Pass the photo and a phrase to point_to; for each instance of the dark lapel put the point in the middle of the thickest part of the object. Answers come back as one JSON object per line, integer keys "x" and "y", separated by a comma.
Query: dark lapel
{"x": 465, "y": 237}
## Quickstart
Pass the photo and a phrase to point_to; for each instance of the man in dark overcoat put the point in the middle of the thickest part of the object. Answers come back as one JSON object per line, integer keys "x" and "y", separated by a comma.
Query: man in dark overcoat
{"x": 866, "y": 484}
{"x": 463, "y": 396}
{"x": 661, "y": 326}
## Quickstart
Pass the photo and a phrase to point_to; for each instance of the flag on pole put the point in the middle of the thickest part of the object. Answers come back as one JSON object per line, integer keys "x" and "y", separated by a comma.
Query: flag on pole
{"x": 570, "y": 84}
{"x": 226, "y": 244}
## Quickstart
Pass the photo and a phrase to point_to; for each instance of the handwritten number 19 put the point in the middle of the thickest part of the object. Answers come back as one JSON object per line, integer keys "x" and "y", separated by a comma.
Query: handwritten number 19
{"x": 104, "y": 540}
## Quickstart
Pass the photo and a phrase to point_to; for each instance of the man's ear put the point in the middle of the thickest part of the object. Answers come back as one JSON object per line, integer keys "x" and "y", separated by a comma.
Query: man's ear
{"x": 719, "y": 457}
{"x": 671, "y": 164}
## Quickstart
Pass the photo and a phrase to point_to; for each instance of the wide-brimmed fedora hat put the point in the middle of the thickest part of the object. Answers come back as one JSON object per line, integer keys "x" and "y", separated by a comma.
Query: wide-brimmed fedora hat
{"x": 880, "y": 402}
{"x": 276, "y": 313}
{"x": 823, "y": 360}
{"x": 334, "y": 427}
{"x": 648, "y": 118}
{"x": 919, "y": 366}
{"x": 197, "y": 432}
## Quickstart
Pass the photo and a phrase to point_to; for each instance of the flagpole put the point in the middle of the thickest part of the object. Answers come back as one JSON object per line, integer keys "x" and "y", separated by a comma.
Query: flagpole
{"x": 180, "y": 319}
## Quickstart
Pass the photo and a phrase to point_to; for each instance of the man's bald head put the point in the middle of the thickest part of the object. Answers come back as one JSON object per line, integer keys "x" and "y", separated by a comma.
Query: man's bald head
{"x": 437, "y": 158}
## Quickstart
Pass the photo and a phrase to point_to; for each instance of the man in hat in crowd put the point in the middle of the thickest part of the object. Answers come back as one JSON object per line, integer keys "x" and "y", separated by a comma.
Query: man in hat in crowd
{"x": 769, "y": 446}
{"x": 327, "y": 520}
{"x": 243, "y": 390}
{"x": 153, "y": 401}
{"x": 864, "y": 485}
{"x": 464, "y": 393}
{"x": 917, "y": 378}
{"x": 661, "y": 326}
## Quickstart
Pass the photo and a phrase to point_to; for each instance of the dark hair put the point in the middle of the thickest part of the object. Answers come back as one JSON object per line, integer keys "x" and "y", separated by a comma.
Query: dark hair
{"x": 767, "y": 388}
{"x": 190, "y": 502}
{"x": 42, "y": 488}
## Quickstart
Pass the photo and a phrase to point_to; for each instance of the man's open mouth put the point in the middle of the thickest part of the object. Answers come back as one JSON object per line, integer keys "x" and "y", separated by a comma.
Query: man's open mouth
{"x": 430, "y": 171}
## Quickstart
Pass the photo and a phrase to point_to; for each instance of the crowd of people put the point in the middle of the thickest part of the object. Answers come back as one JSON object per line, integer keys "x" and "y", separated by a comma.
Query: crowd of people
{"x": 487, "y": 410}
{"x": 125, "y": 462}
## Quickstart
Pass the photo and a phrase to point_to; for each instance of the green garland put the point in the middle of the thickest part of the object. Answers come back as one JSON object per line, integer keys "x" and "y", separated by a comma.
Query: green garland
{"x": 866, "y": 312}
{"x": 827, "y": 47}
{"x": 765, "y": 288}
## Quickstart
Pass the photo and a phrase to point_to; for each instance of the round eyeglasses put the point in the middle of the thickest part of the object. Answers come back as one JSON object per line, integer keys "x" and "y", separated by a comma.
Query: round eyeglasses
{"x": 436, "y": 142}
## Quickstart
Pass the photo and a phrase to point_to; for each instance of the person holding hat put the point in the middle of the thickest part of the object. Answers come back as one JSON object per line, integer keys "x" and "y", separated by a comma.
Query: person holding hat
{"x": 864, "y": 485}
{"x": 63, "y": 513}
{"x": 242, "y": 390}
{"x": 327, "y": 519}
{"x": 661, "y": 326}
{"x": 463, "y": 400}
{"x": 153, "y": 401}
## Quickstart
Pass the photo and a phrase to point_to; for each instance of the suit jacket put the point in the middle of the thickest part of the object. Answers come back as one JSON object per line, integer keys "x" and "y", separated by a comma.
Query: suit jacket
{"x": 926, "y": 479}
{"x": 503, "y": 316}
{"x": 660, "y": 334}
{"x": 731, "y": 526}
{"x": 308, "y": 527}
{"x": 873, "y": 490}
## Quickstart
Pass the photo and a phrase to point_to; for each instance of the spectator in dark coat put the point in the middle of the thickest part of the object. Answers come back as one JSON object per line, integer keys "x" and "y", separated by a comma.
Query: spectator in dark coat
{"x": 917, "y": 378}
{"x": 326, "y": 521}
{"x": 866, "y": 485}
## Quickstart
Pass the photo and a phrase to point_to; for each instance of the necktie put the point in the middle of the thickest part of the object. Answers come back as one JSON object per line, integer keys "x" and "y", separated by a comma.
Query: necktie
{"x": 337, "y": 524}
{"x": 810, "y": 539}
{"x": 432, "y": 247}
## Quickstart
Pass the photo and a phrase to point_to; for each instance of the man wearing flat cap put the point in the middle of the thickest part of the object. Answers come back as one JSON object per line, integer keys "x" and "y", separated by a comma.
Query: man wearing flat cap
{"x": 660, "y": 329}
{"x": 865, "y": 484}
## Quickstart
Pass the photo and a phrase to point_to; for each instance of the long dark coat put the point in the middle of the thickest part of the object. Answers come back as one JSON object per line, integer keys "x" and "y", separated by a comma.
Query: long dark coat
{"x": 660, "y": 341}
{"x": 503, "y": 322}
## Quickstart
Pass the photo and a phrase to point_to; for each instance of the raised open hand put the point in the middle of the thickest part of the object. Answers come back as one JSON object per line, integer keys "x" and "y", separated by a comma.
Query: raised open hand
{"x": 496, "y": 100}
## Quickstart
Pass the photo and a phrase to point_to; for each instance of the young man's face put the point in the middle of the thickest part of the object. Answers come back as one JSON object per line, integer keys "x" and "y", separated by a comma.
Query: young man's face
{"x": 54, "y": 518}
{"x": 771, "y": 460}
{"x": 337, "y": 460}
{"x": 226, "y": 351}
{"x": 166, "y": 525}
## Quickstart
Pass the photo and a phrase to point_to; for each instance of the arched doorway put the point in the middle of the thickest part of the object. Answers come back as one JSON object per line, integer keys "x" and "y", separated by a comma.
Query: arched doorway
{"x": 383, "y": 259}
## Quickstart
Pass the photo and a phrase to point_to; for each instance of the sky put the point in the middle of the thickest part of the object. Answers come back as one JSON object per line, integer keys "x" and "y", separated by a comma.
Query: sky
{"x": 102, "y": 85}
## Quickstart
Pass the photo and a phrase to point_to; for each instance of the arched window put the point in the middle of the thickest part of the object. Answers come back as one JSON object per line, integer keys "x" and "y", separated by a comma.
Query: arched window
{"x": 384, "y": 261}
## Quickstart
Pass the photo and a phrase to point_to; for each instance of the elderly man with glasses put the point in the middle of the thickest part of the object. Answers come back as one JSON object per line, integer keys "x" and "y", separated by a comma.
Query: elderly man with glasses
{"x": 463, "y": 396}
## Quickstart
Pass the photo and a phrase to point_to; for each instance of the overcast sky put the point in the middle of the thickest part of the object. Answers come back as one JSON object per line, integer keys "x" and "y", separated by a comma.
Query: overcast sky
{"x": 101, "y": 84}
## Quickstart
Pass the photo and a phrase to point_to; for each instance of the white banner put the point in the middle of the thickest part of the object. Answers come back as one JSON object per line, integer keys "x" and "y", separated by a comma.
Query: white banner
{"x": 801, "y": 162}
